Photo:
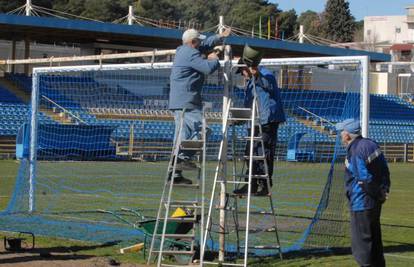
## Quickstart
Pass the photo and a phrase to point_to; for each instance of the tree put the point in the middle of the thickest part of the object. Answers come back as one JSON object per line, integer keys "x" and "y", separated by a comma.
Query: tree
{"x": 338, "y": 23}
{"x": 287, "y": 23}
{"x": 160, "y": 9}
{"x": 246, "y": 14}
{"x": 104, "y": 10}
{"x": 243, "y": 14}
{"x": 74, "y": 7}
{"x": 359, "y": 31}
{"x": 311, "y": 22}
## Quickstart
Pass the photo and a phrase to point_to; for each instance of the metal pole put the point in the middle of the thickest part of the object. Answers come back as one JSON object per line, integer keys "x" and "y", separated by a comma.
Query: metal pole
{"x": 26, "y": 55}
{"x": 365, "y": 96}
{"x": 13, "y": 55}
{"x": 130, "y": 15}
{"x": 405, "y": 152}
{"x": 33, "y": 141}
{"x": 131, "y": 140}
{"x": 301, "y": 34}
{"x": 28, "y": 7}
{"x": 86, "y": 58}
{"x": 222, "y": 220}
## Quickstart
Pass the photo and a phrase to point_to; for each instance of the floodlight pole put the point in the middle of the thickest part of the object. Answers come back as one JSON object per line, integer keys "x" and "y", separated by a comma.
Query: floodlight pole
{"x": 301, "y": 34}
{"x": 130, "y": 15}
{"x": 28, "y": 7}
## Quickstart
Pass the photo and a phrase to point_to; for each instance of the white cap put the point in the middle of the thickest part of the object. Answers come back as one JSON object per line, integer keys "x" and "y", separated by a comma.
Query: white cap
{"x": 191, "y": 34}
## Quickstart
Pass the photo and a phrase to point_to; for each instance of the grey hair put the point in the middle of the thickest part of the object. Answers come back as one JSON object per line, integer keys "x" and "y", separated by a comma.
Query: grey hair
{"x": 354, "y": 135}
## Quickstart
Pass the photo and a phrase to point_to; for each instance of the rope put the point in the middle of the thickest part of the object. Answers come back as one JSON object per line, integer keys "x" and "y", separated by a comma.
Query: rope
{"x": 16, "y": 9}
{"x": 63, "y": 13}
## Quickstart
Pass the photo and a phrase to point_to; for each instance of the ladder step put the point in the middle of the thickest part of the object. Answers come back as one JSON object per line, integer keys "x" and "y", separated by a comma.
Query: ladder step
{"x": 240, "y": 113}
{"x": 195, "y": 186}
{"x": 172, "y": 252}
{"x": 255, "y": 157}
{"x": 192, "y": 144}
{"x": 183, "y": 202}
{"x": 178, "y": 236}
{"x": 256, "y": 138}
{"x": 256, "y": 176}
{"x": 235, "y": 182}
{"x": 232, "y": 208}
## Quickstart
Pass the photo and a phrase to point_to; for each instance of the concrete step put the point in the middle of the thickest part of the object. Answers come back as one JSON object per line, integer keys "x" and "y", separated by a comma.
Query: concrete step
{"x": 56, "y": 116}
{"x": 7, "y": 146}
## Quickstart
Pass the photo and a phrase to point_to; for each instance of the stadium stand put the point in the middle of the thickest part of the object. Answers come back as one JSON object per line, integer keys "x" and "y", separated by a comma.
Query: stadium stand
{"x": 21, "y": 80}
{"x": 7, "y": 96}
{"x": 117, "y": 107}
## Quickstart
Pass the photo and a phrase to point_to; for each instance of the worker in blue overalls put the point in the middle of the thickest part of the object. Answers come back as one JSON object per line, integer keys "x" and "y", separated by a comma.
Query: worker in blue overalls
{"x": 186, "y": 82}
{"x": 271, "y": 115}
{"x": 367, "y": 181}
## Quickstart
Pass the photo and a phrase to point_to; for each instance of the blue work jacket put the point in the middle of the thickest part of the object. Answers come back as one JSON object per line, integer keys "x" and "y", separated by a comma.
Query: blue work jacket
{"x": 268, "y": 94}
{"x": 367, "y": 177}
{"x": 187, "y": 74}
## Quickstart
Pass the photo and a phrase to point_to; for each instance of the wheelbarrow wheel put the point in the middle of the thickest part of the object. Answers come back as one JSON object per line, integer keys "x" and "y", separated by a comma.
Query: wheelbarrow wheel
{"x": 183, "y": 259}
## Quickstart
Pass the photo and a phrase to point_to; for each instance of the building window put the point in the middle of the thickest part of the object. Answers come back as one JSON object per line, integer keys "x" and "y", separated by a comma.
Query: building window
{"x": 368, "y": 32}
{"x": 397, "y": 30}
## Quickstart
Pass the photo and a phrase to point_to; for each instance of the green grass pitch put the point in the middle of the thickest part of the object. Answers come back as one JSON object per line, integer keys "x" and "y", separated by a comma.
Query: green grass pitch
{"x": 397, "y": 216}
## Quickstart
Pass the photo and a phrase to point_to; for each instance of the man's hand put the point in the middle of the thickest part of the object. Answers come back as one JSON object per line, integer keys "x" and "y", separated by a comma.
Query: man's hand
{"x": 226, "y": 32}
{"x": 212, "y": 55}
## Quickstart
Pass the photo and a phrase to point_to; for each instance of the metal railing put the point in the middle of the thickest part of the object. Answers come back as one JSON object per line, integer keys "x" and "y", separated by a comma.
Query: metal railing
{"x": 63, "y": 109}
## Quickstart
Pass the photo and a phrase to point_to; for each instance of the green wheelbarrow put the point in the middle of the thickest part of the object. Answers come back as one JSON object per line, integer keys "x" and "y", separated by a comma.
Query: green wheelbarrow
{"x": 148, "y": 226}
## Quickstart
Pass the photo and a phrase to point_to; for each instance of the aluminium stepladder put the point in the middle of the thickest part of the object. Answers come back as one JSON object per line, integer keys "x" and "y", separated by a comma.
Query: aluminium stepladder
{"x": 232, "y": 116}
{"x": 165, "y": 243}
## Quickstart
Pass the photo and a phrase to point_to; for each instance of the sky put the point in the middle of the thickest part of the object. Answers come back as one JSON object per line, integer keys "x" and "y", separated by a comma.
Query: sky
{"x": 359, "y": 8}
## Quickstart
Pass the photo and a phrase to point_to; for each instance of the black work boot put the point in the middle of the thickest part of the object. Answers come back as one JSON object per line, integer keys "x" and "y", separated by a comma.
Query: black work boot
{"x": 179, "y": 178}
{"x": 245, "y": 188}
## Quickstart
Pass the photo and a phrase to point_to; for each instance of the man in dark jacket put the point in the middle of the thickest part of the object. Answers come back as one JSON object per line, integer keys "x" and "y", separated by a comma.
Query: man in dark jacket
{"x": 186, "y": 82}
{"x": 271, "y": 115}
{"x": 367, "y": 181}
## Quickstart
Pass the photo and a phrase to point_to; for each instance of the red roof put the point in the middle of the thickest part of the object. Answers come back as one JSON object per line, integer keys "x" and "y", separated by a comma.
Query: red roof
{"x": 401, "y": 47}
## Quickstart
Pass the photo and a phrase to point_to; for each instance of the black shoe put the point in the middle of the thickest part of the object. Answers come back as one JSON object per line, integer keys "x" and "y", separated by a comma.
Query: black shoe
{"x": 180, "y": 180}
{"x": 244, "y": 190}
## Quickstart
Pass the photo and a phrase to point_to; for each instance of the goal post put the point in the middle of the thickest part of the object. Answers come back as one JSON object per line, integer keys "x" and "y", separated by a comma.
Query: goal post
{"x": 75, "y": 178}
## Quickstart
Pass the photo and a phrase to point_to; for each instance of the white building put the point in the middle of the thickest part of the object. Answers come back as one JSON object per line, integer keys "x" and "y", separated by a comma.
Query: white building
{"x": 390, "y": 29}
{"x": 391, "y": 34}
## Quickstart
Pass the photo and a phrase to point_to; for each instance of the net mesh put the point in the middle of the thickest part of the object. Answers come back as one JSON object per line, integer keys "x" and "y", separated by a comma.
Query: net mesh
{"x": 105, "y": 134}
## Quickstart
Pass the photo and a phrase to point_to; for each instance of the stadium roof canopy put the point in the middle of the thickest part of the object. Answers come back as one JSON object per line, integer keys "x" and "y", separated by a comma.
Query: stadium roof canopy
{"x": 50, "y": 30}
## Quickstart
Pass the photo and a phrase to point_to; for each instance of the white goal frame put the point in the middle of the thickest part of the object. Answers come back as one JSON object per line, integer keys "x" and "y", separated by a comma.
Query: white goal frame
{"x": 363, "y": 61}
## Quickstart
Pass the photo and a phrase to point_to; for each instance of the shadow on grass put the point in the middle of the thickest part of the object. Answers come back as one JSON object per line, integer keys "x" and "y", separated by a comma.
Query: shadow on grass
{"x": 52, "y": 253}
{"x": 403, "y": 247}
{"x": 31, "y": 258}
{"x": 336, "y": 251}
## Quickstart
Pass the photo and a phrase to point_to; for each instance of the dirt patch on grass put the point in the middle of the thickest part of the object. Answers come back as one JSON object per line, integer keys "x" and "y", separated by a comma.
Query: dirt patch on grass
{"x": 40, "y": 257}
